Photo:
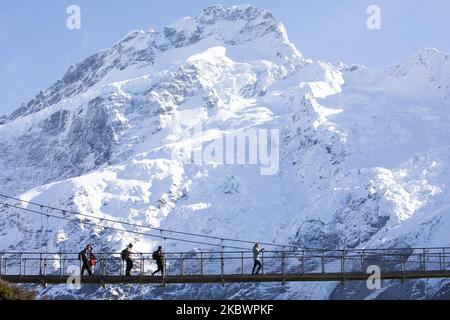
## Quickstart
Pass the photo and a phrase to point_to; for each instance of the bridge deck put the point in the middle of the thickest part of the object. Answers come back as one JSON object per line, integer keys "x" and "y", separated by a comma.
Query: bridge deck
{"x": 354, "y": 276}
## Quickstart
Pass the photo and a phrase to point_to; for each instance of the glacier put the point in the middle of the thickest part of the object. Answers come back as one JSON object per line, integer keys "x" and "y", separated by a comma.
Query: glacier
{"x": 364, "y": 154}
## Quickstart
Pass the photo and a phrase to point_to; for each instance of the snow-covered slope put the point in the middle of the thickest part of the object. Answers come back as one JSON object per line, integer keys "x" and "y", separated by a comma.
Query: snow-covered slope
{"x": 364, "y": 154}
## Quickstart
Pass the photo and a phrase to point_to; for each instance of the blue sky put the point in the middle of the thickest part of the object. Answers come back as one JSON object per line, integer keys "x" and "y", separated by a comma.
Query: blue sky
{"x": 36, "y": 48}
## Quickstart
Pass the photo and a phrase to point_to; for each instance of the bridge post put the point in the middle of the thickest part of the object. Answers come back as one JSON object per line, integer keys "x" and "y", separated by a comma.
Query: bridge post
{"x": 343, "y": 267}
{"x": 164, "y": 272}
{"x": 242, "y": 263}
{"x": 282, "y": 266}
{"x": 181, "y": 264}
{"x": 403, "y": 269}
{"x": 422, "y": 267}
{"x": 222, "y": 262}
{"x": 103, "y": 261}
{"x": 40, "y": 264}
{"x": 443, "y": 259}
{"x": 222, "y": 267}
{"x": 1, "y": 264}
{"x": 142, "y": 265}
{"x": 25, "y": 266}
{"x": 262, "y": 260}
{"x": 100, "y": 263}
{"x": 63, "y": 266}
{"x": 424, "y": 260}
{"x": 322, "y": 261}
{"x": 60, "y": 264}
{"x": 362, "y": 260}
{"x": 20, "y": 265}
{"x": 303, "y": 261}
{"x": 201, "y": 263}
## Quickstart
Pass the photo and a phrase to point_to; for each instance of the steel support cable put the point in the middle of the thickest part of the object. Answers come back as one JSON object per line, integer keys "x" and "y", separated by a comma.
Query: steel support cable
{"x": 124, "y": 230}
{"x": 297, "y": 248}
{"x": 154, "y": 228}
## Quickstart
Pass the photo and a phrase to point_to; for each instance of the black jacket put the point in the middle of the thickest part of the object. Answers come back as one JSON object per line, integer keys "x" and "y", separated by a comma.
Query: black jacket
{"x": 160, "y": 255}
{"x": 84, "y": 256}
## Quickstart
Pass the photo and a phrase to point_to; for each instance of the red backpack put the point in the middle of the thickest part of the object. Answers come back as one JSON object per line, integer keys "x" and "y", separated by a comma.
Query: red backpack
{"x": 92, "y": 261}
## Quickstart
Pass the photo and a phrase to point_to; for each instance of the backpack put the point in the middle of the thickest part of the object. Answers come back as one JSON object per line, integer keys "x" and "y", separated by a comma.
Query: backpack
{"x": 124, "y": 254}
{"x": 93, "y": 261}
{"x": 155, "y": 255}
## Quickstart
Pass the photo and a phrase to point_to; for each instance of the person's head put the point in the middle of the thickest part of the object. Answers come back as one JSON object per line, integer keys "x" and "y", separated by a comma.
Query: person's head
{"x": 256, "y": 245}
{"x": 159, "y": 248}
{"x": 130, "y": 245}
{"x": 89, "y": 247}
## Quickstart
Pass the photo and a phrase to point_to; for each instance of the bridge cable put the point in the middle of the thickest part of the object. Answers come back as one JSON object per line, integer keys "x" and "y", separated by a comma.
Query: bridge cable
{"x": 125, "y": 230}
{"x": 159, "y": 229}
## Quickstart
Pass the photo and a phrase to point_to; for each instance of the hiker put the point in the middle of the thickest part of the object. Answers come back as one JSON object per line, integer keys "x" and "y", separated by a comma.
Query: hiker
{"x": 257, "y": 263}
{"x": 126, "y": 256}
{"x": 84, "y": 256}
{"x": 158, "y": 255}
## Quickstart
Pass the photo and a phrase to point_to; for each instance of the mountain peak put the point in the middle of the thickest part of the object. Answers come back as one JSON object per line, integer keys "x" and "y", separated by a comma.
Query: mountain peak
{"x": 232, "y": 25}
{"x": 431, "y": 59}
{"x": 233, "y": 13}
{"x": 220, "y": 25}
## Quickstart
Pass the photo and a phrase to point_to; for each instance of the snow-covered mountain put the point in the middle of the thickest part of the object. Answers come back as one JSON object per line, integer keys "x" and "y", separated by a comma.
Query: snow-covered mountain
{"x": 364, "y": 154}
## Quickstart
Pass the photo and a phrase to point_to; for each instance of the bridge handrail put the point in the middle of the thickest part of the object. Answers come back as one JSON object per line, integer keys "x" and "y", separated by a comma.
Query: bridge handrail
{"x": 385, "y": 251}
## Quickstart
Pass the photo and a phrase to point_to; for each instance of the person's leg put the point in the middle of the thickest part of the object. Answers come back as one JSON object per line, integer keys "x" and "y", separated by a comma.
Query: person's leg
{"x": 255, "y": 263}
{"x": 158, "y": 264}
{"x": 129, "y": 267}
{"x": 160, "y": 267}
{"x": 258, "y": 263}
{"x": 84, "y": 268}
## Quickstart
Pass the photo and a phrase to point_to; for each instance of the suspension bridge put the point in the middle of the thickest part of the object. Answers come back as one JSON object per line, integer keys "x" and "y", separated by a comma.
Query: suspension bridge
{"x": 232, "y": 263}
{"x": 231, "y": 266}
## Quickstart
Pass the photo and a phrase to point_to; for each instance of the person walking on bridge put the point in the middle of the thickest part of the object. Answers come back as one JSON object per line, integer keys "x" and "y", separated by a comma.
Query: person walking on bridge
{"x": 126, "y": 256}
{"x": 85, "y": 256}
{"x": 158, "y": 255}
{"x": 256, "y": 258}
